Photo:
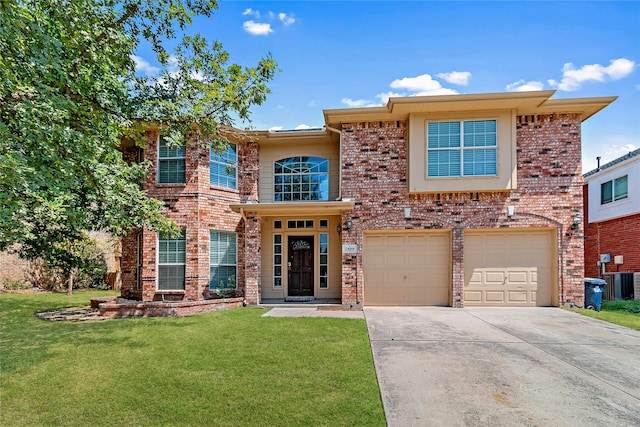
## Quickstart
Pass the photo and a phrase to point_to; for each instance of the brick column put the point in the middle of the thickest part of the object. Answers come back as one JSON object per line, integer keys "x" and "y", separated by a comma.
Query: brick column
{"x": 252, "y": 259}
{"x": 457, "y": 267}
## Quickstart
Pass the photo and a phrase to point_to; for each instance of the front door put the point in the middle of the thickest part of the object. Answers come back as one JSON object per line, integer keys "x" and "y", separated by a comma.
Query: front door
{"x": 300, "y": 266}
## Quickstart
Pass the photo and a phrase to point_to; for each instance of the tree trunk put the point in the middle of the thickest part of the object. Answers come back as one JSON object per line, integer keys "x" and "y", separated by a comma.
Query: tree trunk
{"x": 70, "y": 284}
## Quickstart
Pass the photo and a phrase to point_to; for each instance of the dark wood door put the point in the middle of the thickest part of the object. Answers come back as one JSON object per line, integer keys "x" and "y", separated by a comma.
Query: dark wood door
{"x": 300, "y": 266}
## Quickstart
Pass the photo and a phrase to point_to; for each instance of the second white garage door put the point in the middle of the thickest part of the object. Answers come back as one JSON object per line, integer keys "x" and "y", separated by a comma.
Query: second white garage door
{"x": 407, "y": 268}
{"x": 510, "y": 268}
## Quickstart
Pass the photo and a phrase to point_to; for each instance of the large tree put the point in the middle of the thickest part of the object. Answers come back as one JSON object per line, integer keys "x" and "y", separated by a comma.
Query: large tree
{"x": 69, "y": 93}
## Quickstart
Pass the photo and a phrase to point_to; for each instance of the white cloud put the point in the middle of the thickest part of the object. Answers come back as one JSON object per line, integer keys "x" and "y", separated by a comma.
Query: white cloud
{"x": 257, "y": 28}
{"x": 456, "y": 77}
{"x": 422, "y": 85}
{"x": 354, "y": 102}
{"x": 144, "y": 67}
{"x": 384, "y": 97}
{"x": 572, "y": 78}
{"x": 302, "y": 126}
{"x": 607, "y": 152}
{"x": 286, "y": 19}
{"x": 247, "y": 11}
{"x": 522, "y": 86}
{"x": 275, "y": 128}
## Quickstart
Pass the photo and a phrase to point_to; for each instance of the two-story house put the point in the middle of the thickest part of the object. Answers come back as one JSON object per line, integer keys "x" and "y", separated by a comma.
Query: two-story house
{"x": 444, "y": 200}
{"x": 612, "y": 212}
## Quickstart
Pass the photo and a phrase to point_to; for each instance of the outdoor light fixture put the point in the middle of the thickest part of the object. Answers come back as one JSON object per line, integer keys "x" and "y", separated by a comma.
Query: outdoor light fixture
{"x": 407, "y": 213}
{"x": 576, "y": 221}
{"x": 511, "y": 210}
{"x": 348, "y": 224}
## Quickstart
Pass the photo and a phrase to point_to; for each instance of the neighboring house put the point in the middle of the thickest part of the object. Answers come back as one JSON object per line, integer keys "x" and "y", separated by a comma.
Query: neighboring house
{"x": 612, "y": 209}
{"x": 443, "y": 200}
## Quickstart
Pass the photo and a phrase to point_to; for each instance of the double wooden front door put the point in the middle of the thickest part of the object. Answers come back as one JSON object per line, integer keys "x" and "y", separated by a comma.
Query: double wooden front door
{"x": 300, "y": 265}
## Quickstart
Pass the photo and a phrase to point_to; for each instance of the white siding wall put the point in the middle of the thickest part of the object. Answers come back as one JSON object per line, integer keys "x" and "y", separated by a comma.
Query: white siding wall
{"x": 619, "y": 208}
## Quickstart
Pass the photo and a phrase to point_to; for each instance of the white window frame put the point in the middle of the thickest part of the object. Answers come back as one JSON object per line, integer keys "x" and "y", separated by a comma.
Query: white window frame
{"x": 222, "y": 162}
{"x": 461, "y": 149}
{"x": 219, "y": 264}
{"x": 275, "y": 263}
{"x": 613, "y": 197}
{"x": 297, "y": 195}
{"x": 182, "y": 263}
{"x": 164, "y": 160}
{"x": 323, "y": 264}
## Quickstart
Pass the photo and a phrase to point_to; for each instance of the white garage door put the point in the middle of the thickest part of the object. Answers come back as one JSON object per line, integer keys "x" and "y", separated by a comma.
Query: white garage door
{"x": 510, "y": 268}
{"x": 407, "y": 269}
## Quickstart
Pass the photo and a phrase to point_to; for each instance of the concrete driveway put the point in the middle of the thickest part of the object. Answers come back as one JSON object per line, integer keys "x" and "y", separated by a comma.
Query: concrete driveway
{"x": 441, "y": 366}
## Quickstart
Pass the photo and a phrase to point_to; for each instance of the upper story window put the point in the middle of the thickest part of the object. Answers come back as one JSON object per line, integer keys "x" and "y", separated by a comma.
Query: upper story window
{"x": 613, "y": 190}
{"x": 301, "y": 178}
{"x": 224, "y": 167}
{"x": 171, "y": 163}
{"x": 462, "y": 148}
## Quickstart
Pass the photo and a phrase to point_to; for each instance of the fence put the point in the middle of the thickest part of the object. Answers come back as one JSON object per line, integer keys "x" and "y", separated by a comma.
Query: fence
{"x": 621, "y": 286}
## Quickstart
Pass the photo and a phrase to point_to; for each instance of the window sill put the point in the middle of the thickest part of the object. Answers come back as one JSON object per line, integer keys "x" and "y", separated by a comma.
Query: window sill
{"x": 170, "y": 291}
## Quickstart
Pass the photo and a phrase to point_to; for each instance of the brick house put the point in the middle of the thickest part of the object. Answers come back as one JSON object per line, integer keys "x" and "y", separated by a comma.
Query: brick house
{"x": 443, "y": 200}
{"x": 612, "y": 212}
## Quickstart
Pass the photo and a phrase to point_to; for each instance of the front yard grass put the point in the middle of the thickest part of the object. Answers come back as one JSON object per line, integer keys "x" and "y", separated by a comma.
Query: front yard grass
{"x": 623, "y": 313}
{"x": 227, "y": 368}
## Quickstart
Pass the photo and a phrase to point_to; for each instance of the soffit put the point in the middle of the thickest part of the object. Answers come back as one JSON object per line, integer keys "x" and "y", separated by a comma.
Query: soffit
{"x": 294, "y": 208}
{"x": 535, "y": 102}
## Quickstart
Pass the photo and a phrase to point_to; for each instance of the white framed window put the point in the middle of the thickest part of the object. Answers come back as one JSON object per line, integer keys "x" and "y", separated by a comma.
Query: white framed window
{"x": 324, "y": 260}
{"x": 462, "y": 148}
{"x": 301, "y": 223}
{"x": 301, "y": 178}
{"x": 277, "y": 261}
{"x": 223, "y": 260}
{"x": 616, "y": 189}
{"x": 224, "y": 167}
{"x": 171, "y": 163}
{"x": 171, "y": 262}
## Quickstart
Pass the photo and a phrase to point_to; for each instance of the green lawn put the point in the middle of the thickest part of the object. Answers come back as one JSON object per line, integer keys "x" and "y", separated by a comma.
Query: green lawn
{"x": 624, "y": 313}
{"x": 231, "y": 368}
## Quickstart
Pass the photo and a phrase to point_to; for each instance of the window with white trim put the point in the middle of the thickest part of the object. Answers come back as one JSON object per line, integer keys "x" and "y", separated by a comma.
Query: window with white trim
{"x": 171, "y": 262}
{"x": 301, "y": 178}
{"x": 616, "y": 189}
{"x": 223, "y": 260}
{"x": 224, "y": 167}
{"x": 324, "y": 260}
{"x": 462, "y": 148}
{"x": 171, "y": 163}
{"x": 277, "y": 261}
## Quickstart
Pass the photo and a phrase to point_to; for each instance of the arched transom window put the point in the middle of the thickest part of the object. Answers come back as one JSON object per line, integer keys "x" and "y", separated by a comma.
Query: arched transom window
{"x": 301, "y": 178}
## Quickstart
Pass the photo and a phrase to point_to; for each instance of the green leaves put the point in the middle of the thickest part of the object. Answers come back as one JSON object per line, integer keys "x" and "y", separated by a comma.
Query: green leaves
{"x": 69, "y": 94}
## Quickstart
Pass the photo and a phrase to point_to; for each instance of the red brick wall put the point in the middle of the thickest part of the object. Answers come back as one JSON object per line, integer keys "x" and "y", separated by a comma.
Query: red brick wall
{"x": 199, "y": 208}
{"x": 619, "y": 236}
{"x": 549, "y": 193}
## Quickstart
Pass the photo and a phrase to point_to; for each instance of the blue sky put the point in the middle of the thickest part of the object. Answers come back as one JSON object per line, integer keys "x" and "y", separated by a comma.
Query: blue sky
{"x": 337, "y": 54}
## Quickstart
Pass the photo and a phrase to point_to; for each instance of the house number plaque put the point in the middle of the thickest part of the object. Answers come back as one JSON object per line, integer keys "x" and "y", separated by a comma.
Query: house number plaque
{"x": 349, "y": 249}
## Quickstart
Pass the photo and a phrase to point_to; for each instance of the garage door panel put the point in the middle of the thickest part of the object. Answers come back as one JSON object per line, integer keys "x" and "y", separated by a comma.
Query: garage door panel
{"x": 517, "y": 296}
{"x": 407, "y": 269}
{"x": 508, "y": 268}
{"x": 494, "y": 296}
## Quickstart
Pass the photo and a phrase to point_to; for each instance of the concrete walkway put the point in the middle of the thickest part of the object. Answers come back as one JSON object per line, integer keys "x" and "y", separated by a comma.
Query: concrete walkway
{"x": 441, "y": 366}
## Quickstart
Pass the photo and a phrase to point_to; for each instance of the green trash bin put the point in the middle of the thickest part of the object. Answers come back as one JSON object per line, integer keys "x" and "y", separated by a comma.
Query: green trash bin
{"x": 593, "y": 289}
